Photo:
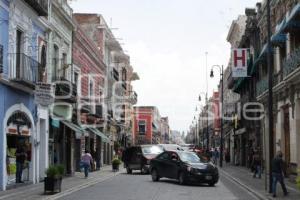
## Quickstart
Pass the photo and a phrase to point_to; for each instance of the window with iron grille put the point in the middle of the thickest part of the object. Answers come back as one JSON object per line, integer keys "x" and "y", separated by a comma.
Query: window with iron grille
{"x": 142, "y": 127}
{"x": 1, "y": 58}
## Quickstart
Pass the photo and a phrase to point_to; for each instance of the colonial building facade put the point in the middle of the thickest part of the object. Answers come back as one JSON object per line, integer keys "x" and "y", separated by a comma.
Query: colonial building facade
{"x": 24, "y": 36}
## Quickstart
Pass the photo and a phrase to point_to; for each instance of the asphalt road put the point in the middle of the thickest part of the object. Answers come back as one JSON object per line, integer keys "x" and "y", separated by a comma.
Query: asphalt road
{"x": 140, "y": 187}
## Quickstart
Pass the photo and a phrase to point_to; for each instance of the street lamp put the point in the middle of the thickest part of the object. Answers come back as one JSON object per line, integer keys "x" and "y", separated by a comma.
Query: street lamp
{"x": 222, "y": 90}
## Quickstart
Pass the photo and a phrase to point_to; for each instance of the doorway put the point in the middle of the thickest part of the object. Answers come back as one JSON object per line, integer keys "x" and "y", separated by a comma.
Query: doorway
{"x": 286, "y": 127}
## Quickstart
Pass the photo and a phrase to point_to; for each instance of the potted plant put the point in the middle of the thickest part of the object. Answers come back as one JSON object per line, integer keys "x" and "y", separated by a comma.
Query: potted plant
{"x": 53, "y": 179}
{"x": 115, "y": 164}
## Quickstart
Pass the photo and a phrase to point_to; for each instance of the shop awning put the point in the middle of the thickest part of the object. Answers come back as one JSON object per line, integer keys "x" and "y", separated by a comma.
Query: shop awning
{"x": 294, "y": 12}
{"x": 100, "y": 134}
{"x": 77, "y": 129}
{"x": 279, "y": 38}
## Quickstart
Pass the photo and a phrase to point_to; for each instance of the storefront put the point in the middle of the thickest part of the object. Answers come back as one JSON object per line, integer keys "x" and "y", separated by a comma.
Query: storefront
{"x": 19, "y": 132}
{"x": 63, "y": 149}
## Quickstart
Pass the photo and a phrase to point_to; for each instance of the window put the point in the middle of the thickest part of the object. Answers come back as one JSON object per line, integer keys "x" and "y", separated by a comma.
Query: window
{"x": 64, "y": 65}
{"x": 19, "y": 51}
{"x": 1, "y": 58}
{"x": 55, "y": 63}
{"x": 124, "y": 75}
{"x": 164, "y": 156}
{"x": 142, "y": 127}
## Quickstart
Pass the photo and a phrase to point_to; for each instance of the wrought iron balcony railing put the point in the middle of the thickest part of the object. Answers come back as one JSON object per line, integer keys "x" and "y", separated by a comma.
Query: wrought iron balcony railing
{"x": 40, "y": 6}
{"x": 291, "y": 62}
{"x": 25, "y": 69}
{"x": 65, "y": 90}
{"x": 263, "y": 85}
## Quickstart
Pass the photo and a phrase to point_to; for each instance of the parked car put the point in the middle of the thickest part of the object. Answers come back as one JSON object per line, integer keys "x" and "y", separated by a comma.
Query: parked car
{"x": 188, "y": 147}
{"x": 138, "y": 157}
{"x": 184, "y": 166}
{"x": 170, "y": 147}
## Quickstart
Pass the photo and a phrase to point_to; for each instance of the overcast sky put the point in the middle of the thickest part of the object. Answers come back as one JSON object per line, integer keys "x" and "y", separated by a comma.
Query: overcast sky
{"x": 167, "y": 41}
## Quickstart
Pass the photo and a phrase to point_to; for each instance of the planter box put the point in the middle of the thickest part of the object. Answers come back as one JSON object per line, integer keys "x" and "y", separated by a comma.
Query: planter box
{"x": 52, "y": 185}
{"x": 115, "y": 167}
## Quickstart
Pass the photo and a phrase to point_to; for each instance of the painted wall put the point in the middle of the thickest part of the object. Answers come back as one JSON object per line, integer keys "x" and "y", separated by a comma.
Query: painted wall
{"x": 16, "y": 15}
{"x": 4, "y": 19}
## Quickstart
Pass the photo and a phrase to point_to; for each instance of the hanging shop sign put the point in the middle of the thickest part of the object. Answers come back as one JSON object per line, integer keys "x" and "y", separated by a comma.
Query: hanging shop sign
{"x": 239, "y": 63}
{"x": 44, "y": 94}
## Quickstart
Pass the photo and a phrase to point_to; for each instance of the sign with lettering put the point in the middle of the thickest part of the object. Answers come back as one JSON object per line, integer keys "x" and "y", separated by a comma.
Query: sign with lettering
{"x": 44, "y": 94}
{"x": 239, "y": 63}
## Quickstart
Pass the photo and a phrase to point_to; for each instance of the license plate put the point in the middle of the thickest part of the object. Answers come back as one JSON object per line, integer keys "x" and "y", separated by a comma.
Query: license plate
{"x": 208, "y": 177}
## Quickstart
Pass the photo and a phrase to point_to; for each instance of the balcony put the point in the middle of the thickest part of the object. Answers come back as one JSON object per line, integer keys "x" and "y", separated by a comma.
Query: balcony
{"x": 65, "y": 90}
{"x": 133, "y": 98}
{"x": 64, "y": 6}
{"x": 263, "y": 85}
{"x": 291, "y": 62}
{"x": 25, "y": 70}
{"x": 40, "y": 6}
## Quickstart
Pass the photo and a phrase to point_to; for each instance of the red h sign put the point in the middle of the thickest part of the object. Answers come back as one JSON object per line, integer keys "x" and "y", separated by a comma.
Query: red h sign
{"x": 239, "y": 68}
{"x": 237, "y": 57}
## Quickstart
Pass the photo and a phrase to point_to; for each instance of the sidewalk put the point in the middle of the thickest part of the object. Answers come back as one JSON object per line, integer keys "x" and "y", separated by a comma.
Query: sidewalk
{"x": 69, "y": 185}
{"x": 245, "y": 178}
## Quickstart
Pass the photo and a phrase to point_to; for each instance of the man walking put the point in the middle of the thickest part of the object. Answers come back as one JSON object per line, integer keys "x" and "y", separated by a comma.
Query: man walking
{"x": 20, "y": 161}
{"x": 86, "y": 160}
{"x": 277, "y": 173}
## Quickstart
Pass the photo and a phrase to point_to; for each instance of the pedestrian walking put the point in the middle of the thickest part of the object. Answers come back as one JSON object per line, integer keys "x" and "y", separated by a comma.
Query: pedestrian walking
{"x": 277, "y": 173}
{"x": 256, "y": 164}
{"x": 216, "y": 156}
{"x": 86, "y": 160}
{"x": 227, "y": 156}
{"x": 20, "y": 163}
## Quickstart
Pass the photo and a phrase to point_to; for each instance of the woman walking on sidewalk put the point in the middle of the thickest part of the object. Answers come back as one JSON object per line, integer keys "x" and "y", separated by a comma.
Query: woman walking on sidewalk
{"x": 277, "y": 173}
{"x": 86, "y": 160}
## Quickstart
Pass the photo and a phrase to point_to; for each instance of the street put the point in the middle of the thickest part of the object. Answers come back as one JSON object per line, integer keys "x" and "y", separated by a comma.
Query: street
{"x": 137, "y": 187}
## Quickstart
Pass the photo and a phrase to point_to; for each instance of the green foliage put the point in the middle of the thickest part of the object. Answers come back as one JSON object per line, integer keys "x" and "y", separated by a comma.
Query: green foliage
{"x": 55, "y": 171}
{"x": 60, "y": 169}
{"x": 116, "y": 161}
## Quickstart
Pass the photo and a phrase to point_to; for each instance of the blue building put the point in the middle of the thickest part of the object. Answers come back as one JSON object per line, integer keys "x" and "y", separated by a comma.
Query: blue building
{"x": 23, "y": 62}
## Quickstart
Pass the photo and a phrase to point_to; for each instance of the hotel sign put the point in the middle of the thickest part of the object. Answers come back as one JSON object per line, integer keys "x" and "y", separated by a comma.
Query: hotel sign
{"x": 239, "y": 63}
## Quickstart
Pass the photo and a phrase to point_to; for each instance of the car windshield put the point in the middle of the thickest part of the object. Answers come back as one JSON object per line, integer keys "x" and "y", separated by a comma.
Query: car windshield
{"x": 151, "y": 150}
{"x": 172, "y": 148}
{"x": 189, "y": 157}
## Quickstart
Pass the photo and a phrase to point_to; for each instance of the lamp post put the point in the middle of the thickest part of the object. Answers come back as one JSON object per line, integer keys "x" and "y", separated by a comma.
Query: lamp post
{"x": 222, "y": 90}
{"x": 207, "y": 133}
{"x": 270, "y": 100}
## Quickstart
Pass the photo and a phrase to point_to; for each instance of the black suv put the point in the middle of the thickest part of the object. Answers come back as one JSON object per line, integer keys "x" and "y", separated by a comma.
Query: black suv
{"x": 138, "y": 157}
{"x": 184, "y": 166}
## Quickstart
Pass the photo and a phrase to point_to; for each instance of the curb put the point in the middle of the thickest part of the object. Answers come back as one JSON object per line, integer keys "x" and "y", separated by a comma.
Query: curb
{"x": 82, "y": 186}
{"x": 258, "y": 195}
